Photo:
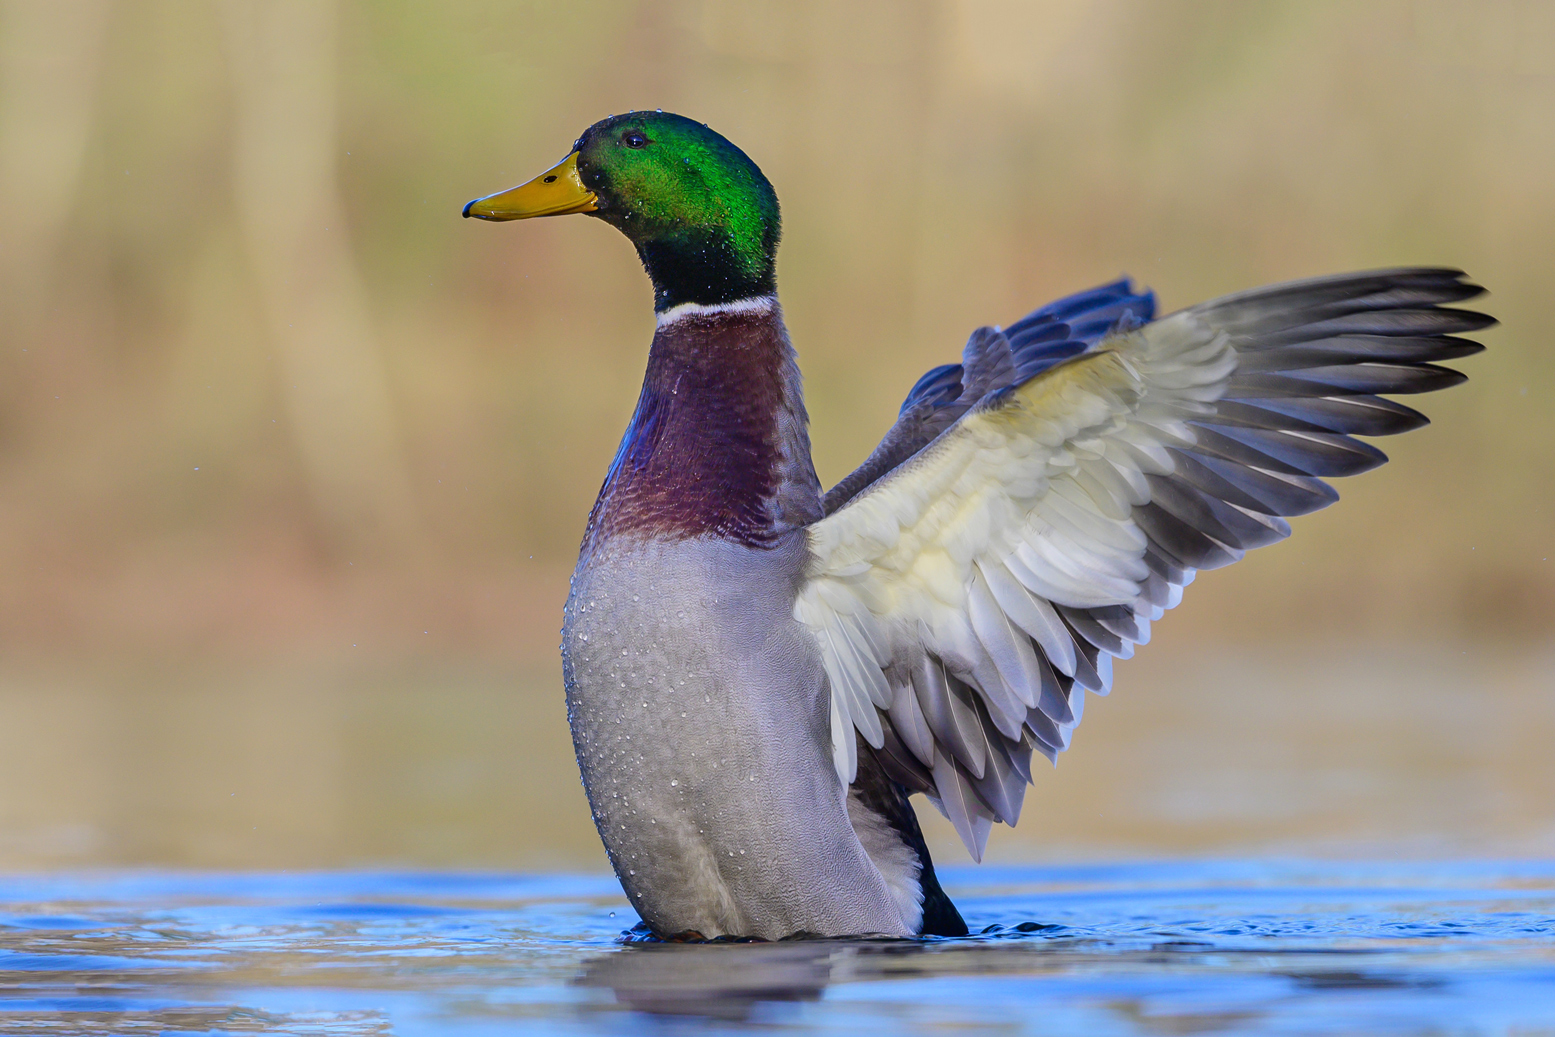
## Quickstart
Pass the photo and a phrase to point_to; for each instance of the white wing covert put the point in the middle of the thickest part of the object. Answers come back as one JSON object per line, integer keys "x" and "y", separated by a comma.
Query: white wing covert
{"x": 965, "y": 600}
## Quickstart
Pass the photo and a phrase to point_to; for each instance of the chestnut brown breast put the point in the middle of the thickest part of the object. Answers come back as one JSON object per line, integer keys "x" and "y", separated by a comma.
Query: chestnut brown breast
{"x": 718, "y": 444}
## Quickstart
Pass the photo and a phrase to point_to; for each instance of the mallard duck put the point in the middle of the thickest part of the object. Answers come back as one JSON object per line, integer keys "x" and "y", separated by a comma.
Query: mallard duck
{"x": 759, "y": 674}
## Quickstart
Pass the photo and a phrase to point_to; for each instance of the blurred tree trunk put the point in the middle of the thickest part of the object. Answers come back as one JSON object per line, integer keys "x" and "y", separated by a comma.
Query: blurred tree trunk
{"x": 333, "y": 378}
{"x": 50, "y": 57}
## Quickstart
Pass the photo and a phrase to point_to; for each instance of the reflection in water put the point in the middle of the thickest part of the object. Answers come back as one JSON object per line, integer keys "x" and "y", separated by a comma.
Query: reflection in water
{"x": 1163, "y": 948}
{"x": 721, "y": 981}
{"x": 728, "y": 980}
{"x": 734, "y": 981}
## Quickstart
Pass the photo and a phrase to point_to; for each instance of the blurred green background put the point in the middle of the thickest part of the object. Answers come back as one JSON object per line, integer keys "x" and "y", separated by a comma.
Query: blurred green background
{"x": 294, "y": 461}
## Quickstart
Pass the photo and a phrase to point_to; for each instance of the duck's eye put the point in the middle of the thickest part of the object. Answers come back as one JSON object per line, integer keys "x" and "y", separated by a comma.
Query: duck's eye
{"x": 634, "y": 139}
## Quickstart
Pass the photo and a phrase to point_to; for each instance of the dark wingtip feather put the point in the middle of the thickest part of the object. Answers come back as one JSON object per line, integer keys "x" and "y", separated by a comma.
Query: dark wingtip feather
{"x": 1474, "y": 320}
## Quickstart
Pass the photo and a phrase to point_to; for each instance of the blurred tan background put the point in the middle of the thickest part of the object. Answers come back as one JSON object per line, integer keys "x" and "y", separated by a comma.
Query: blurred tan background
{"x": 294, "y": 461}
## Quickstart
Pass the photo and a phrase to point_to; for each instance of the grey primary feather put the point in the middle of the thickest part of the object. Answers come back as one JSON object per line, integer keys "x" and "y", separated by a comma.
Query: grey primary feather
{"x": 1250, "y": 488}
{"x": 1003, "y": 785}
{"x": 1049, "y": 740}
{"x": 1295, "y": 453}
{"x": 947, "y": 706}
{"x": 1354, "y": 415}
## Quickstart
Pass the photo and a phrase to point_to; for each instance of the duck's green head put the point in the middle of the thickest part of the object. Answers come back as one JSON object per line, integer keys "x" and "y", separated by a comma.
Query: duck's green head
{"x": 703, "y": 218}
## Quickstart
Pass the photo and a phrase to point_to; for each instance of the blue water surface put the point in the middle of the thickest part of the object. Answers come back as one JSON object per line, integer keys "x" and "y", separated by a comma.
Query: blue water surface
{"x": 1138, "y": 948}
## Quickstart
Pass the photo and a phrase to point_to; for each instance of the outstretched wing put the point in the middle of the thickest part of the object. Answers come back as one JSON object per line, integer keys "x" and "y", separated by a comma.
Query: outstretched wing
{"x": 965, "y": 599}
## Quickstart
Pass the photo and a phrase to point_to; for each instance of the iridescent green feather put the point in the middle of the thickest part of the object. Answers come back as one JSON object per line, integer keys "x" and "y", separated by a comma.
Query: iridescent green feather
{"x": 704, "y": 218}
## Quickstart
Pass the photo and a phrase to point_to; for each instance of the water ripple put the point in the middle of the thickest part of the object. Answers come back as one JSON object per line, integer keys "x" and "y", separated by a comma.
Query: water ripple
{"x": 1137, "y": 948}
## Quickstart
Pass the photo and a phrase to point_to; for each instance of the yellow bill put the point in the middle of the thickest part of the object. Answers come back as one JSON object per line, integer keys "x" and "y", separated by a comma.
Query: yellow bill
{"x": 555, "y": 192}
